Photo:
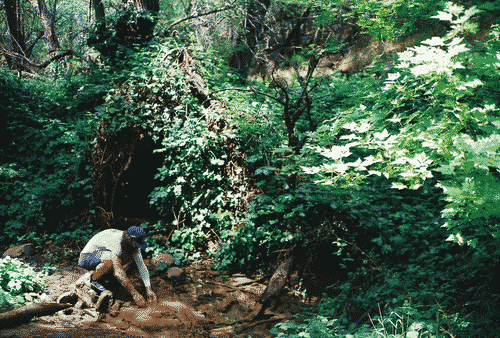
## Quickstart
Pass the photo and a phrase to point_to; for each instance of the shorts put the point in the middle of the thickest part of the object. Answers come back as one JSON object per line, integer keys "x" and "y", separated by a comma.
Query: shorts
{"x": 89, "y": 261}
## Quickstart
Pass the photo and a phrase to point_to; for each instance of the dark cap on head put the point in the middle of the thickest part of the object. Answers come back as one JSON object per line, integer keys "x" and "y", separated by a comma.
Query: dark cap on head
{"x": 137, "y": 234}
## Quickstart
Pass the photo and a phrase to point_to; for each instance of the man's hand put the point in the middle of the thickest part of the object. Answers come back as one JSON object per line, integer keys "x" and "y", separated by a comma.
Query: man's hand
{"x": 138, "y": 299}
{"x": 151, "y": 296}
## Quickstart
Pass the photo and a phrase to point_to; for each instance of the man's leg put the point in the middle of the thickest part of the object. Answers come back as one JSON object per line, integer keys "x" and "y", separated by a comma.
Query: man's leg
{"x": 104, "y": 267}
{"x": 111, "y": 263}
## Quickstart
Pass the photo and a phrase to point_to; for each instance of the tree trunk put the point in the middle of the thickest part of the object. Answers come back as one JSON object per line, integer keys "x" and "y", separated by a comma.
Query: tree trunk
{"x": 254, "y": 23}
{"x": 26, "y": 313}
{"x": 41, "y": 332}
{"x": 13, "y": 12}
{"x": 98, "y": 9}
{"x": 148, "y": 5}
{"x": 47, "y": 22}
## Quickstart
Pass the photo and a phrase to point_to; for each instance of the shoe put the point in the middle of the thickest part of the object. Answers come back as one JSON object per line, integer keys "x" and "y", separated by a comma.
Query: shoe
{"x": 98, "y": 286}
{"x": 87, "y": 280}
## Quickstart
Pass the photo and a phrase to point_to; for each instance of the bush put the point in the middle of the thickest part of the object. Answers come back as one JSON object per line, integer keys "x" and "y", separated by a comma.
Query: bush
{"x": 18, "y": 282}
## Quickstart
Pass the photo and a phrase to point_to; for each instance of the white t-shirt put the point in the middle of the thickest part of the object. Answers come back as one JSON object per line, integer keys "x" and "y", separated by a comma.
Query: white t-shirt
{"x": 111, "y": 240}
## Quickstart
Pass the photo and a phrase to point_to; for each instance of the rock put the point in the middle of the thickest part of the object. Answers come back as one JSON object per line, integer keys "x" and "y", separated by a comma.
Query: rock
{"x": 104, "y": 302}
{"x": 69, "y": 297}
{"x": 275, "y": 286}
{"x": 295, "y": 280}
{"x": 115, "y": 309}
{"x": 277, "y": 282}
{"x": 19, "y": 251}
{"x": 175, "y": 275}
{"x": 118, "y": 323}
{"x": 169, "y": 334}
{"x": 162, "y": 262}
{"x": 222, "y": 332}
{"x": 86, "y": 294}
{"x": 136, "y": 332}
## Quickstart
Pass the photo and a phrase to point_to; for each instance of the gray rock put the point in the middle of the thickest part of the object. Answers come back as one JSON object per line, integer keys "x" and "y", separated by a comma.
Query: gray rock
{"x": 19, "y": 251}
{"x": 175, "y": 275}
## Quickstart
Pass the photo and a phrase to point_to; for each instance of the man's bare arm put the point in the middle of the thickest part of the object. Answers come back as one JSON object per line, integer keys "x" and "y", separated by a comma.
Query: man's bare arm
{"x": 119, "y": 273}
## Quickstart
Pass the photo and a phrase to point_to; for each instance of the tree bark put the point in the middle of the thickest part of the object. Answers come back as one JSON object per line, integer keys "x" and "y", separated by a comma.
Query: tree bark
{"x": 254, "y": 23}
{"x": 47, "y": 21}
{"x": 26, "y": 313}
{"x": 40, "y": 332}
{"x": 98, "y": 9}
{"x": 13, "y": 12}
{"x": 148, "y": 5}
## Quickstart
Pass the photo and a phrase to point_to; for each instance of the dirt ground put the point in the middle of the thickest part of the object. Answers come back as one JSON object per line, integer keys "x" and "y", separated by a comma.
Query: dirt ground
{"x": 206, "y": 303}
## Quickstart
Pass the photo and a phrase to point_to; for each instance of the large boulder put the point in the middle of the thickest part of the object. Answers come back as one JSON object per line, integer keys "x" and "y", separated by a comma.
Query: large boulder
{"x": 19, "y": 251}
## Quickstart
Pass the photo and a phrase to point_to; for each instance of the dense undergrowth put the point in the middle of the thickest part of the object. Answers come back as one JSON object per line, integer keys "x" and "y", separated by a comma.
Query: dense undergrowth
{"x": 19, "y": 282}
{"x": 399, "y": 181}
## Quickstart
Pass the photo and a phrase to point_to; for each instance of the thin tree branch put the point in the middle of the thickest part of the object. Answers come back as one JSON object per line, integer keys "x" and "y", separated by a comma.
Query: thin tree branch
{"x": 29, "y": 48}
{"x": 41, "y": 65}
{"x": 200, "y": 15}
{"x": 251, "y": 90}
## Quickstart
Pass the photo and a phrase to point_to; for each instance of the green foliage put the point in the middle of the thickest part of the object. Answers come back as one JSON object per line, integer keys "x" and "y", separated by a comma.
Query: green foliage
{"x": 43, "y": 164}
{"x": 195, "y": 185}
{"x": 431, "y": 116}
{"x": 393, "y": 169}
{"x": 384, "y": 20}
{"x": 155, "y": 247}
{"x": 290, "y": 207}
{"x": 406, "y": 320}
{"x": 387, "y": 20}
{"x": 122, "y": 30}
{"x": 18, "y": 282}
{"x": 421, "y": 149}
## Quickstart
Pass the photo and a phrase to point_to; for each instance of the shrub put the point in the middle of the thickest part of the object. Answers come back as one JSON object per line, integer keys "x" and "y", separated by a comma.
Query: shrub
{"x": 18, "y": 282}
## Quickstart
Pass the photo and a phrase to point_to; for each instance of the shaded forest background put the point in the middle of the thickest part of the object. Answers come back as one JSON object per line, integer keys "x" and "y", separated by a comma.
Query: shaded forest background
{"x": 358, "y": 137}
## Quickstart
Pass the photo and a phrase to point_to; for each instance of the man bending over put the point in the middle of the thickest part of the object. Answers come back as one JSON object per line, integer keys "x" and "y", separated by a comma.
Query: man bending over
{"x": 113, "y": 251}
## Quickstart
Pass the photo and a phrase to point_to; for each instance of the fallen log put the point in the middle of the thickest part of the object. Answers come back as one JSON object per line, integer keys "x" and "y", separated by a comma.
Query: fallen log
{"x": 41, "y": 332}
{"x": 24, "y": 314}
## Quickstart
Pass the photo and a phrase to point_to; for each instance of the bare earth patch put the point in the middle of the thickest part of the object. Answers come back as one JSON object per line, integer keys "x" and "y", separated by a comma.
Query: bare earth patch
{"x": 205, "y": 304}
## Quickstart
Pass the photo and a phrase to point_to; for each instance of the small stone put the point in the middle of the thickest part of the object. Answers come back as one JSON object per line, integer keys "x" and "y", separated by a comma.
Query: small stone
{"x": 295, "y": 280}
{"x": 222, "y": 332}
{"x": 176, "y": 275}
{"x": 69, "y": 297}
{"x": 136, "y": 332}
{"x": 86, "y": 294}
{"x": 119, "y": 323}
{"x": 162, "y": 262}
{"x": 19, "y": 251}
{"x": 115, "y": 309}
{"x": 44, "y": 298}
